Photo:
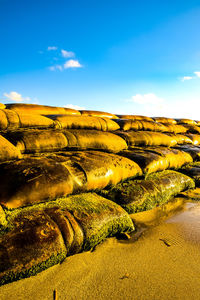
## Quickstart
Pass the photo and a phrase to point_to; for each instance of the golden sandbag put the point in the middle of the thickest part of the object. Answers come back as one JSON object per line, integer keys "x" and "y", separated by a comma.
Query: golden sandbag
{"x": 41, "y": 109}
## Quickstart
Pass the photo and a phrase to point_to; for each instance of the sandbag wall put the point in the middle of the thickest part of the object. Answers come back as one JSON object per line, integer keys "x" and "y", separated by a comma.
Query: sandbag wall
{"x": 69, "y": 179}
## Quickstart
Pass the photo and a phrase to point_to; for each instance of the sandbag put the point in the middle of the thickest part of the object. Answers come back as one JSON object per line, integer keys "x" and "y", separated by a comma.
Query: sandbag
{"x": 157, "y": 159}
{"x": 193, "y": 194}
{"x": 84, "y": 122}
{"x": 34, "y": 121}
{"x": 2, "y": 106}
{"x": 41, "y": 109}
{"x": 193, "y": 171}
{"x": 141, "y": 195}
{"x": 175, "y": 128}
{"x": 192, "y": 128}
{"x": 102, "y": 169}
{"x": 96, "y": 113}
{"x": 193, "y": 151}
{"x": 175, "y": 158}
{"x": 36, "y": 141}
{"x": 33, "y": 244}
{"x": 165, "y": 120}
{"x": 128, "y": 124}
{"x": 181, "y": 139}
{"x": 11, "y": 120}
{"x": 41, "y": 236}
{"x": 8, "y": 151}
{"x": 32, "y": 180}
{"x": 195, "y": 138}
{"x": 37, "y": 179}
{"x": 147, "y": 138}
{"x": 185, "y": 121}
{"x": 94, "y": 139}
{"x": 135, "y": 117}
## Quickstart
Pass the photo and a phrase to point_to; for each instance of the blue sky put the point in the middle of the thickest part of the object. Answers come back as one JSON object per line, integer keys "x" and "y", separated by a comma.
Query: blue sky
{"x": 136, "y": 57}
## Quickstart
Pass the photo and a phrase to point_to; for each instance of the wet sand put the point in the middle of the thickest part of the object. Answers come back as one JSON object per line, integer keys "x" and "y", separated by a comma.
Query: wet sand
{"x": 164, "y": 263}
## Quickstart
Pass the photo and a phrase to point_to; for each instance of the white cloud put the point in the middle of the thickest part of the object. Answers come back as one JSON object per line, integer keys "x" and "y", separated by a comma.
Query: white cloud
{"x": 74, "y": 106}
{"x": 14, "y": 96}
{"x": 154, "y": 106}
{"x": 197, "y": 74}
{"x": 67, "y": 53}
{"x": 50, "y": 48}
{"x": 146, "y": 99}
{"x": 56, "y": 67}
{"x": 72, "y": 64}
{"x": 186, "y": 78}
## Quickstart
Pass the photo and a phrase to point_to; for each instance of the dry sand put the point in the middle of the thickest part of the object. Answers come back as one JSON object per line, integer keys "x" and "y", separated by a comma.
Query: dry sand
{"x": 164, "y": 263}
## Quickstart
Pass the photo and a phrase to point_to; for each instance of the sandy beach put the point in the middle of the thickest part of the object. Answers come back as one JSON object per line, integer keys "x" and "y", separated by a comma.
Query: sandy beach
{"x": 163, "y": 263}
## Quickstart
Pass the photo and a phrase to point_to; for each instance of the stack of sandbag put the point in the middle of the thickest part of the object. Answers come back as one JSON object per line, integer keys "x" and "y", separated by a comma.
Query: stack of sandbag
{"x": 55, "y": 140}
{"x": 36, "y": 179}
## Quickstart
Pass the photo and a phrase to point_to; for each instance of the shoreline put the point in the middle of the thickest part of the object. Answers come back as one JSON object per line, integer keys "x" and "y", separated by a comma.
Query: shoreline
{"x": 163, "y": 263}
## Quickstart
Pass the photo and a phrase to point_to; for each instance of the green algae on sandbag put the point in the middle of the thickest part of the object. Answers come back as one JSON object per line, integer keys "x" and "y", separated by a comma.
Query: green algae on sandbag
{"x": 84, "y": 122}
{"x": 147, "y": 138}
{"x": 31, "y": 243}
{"x": 42, "y": 235}
{"x": 8, "y": 151}
{"x": 41, "y": 109}
{"x": 140, "y": 195}
{"x": 193, "y": 170}
{"x": 3, "y": 221}
{"x": 153, "y": 159}
{"x": 98, "y": 217}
